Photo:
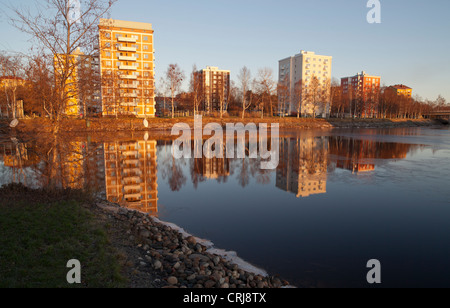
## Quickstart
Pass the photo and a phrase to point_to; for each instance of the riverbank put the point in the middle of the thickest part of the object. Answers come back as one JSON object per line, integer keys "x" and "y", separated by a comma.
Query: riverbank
{"x": 164, "y": 126}
{"x": 117, "y": 247}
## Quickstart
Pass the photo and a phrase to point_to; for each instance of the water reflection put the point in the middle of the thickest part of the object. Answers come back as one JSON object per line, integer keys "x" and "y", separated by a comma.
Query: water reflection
{"x": 126, "y": 172}
{"x": 303, "y": 166}
{"x": 335, "y": 201}
{"x": 360, "y": 155}
{"x": 131, "y": 174}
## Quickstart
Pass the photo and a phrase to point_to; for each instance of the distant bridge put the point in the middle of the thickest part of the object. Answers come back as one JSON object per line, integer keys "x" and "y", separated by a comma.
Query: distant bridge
{"x": 443, "y": 115}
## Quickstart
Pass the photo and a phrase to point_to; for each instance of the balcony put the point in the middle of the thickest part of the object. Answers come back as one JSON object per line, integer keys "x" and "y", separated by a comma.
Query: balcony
{"x": 130, "y": 95}
{"x": 132, "y": 170}
{"x": 131, "y": 161}
{"x": 132, "y": 179}
{"x": 132, "y": 196}
{"x": 129, "y": 86}
{"x": 132, "y": 187}
{"x": 128, "y": 77}
{"x": 124, "y": 58}
{"x": 126, "y": 39}
{"x": 127, "y": 49}
{"x": 127, "y": 67}
{"x": 130, "y": 153}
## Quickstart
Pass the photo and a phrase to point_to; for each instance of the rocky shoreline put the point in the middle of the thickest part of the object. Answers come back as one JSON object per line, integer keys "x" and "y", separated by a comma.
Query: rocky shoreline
{"x": 159, "y": 256}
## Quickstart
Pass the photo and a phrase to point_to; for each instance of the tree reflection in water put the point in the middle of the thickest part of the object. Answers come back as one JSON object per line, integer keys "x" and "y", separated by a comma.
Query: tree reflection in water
{"x": 126, "y": 171}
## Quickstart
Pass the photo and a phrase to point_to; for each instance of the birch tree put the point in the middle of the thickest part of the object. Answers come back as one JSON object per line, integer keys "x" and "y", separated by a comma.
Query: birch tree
{"x": 245, "y": 81}
{"x": 59, "y": 28}
{"x": 174, "y": 78}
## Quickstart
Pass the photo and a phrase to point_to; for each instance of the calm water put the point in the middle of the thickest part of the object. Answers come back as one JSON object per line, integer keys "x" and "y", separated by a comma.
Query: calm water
{"x": 336, "y": 200}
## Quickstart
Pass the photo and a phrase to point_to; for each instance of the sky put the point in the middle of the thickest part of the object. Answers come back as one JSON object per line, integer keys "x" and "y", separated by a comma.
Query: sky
{"x": 410, "y": 46}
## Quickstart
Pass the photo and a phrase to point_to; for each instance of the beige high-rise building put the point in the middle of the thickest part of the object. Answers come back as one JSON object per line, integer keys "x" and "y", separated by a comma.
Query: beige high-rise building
{"x": 302, "y": 69}
{"x": 83, "y": 85}
{"x": 127, "y": 68}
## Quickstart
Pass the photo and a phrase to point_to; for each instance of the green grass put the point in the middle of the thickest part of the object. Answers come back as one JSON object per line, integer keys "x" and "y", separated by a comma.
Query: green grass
{"x": 38, "y": 238}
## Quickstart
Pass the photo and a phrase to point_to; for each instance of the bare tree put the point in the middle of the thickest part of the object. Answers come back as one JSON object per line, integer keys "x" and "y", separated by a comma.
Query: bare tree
{"x": 175, "y": 77}
{"x": 41, "y": 92}
{"x": 337, "y": 103}
{"x": 266, "y": 87}
{"x": 196, "y": 89}
{"x": 89, "y": 85}
{"x": 284, "y": 95}
{"x": 12, "y": 68}
{"x": 112, "y": 102}
{"x": 325, "y": 96}
{"x": 162, "y": 91}
{"x": 223, "y": 95}
{"x": 315, "y": 91}
{"x": 245, "y": 81}
{"x": 60, "y": 29}
{"x": 299, "y": 96}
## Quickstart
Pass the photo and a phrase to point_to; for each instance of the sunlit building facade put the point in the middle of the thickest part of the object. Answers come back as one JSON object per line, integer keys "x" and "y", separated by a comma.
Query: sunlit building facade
{"x": 82, "y": 83}
{"x": 401, "y": 90}
{"x": 302, "y": 69}
{"x": 364, "y": 89}
{"x": 127, "y": 68}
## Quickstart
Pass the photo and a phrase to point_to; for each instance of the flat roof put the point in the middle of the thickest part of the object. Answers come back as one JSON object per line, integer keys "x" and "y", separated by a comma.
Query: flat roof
{"x": 125, "y": 24}
{"x": 401, "y": 87}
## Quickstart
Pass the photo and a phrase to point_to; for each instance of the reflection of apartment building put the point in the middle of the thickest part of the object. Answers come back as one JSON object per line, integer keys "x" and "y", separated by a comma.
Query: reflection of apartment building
{"x": 303, "y": 166}
{"x": 17, "y": 155}
{"x": 82, "y": 82}
{"x": 364, "y": 88}
{"x": 302, "y": 69}
{"x": 355, "y": 167}
{"x": 70, "y": 166}
{"x": 127, "y": 68}
{"x": 215, "y": 87}
{"x": 131, "y": 175}
{"x": 361, "y": 155}
{"x": 212, "y": 168}
{"x": 94, "y": 166}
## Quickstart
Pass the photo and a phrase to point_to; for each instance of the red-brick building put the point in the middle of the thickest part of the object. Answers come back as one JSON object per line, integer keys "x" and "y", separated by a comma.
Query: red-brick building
{"x": 362, "y": 90}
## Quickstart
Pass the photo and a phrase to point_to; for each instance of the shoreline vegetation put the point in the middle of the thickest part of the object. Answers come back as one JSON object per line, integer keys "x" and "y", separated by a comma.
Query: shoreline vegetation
{"x": 117, "y": 247}
{"x": 160, "y": 126}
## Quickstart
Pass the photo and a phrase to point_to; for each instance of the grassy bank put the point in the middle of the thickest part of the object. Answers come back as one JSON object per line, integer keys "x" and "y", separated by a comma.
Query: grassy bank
{"x": 164, "y": 125}
{"x": 42, "y": 231}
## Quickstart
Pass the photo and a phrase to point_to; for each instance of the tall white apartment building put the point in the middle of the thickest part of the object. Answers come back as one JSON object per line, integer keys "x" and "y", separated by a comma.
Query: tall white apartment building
{"x": 302, "y": 69}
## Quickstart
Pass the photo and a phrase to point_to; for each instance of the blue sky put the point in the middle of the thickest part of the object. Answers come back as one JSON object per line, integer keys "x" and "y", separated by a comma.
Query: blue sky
{"x": 410, "y": 46}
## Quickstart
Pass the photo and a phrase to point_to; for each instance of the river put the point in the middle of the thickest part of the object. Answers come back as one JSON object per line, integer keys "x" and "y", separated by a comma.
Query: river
{"x": 338, "y": 198}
